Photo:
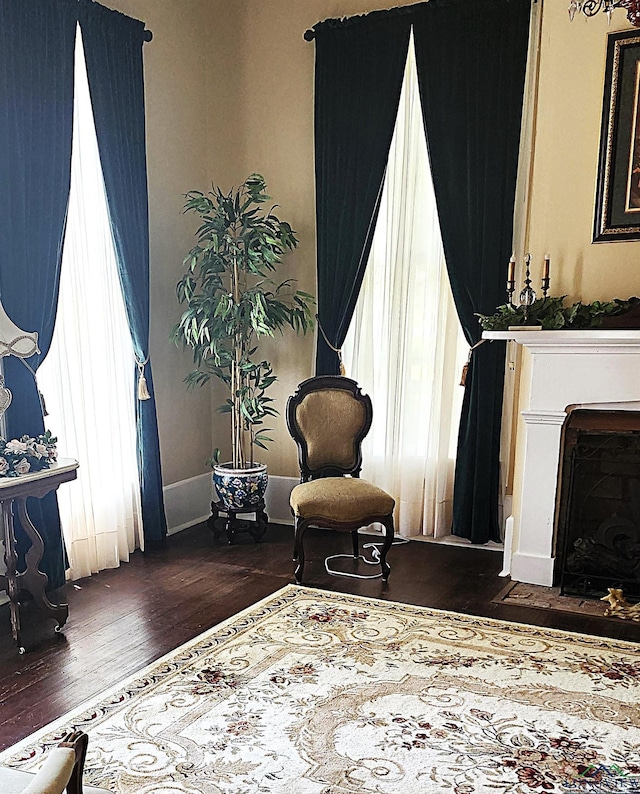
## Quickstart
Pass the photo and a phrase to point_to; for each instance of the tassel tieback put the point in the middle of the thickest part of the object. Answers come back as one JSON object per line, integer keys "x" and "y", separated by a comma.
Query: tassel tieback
{"x": 336, "y": 350}
{"x": 465, "y": 367}
{"x": 143, "y": 391}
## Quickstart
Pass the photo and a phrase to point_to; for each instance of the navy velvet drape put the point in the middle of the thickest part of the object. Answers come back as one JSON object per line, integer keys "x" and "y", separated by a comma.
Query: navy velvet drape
{"x": 471, "y": 58}
{"x": 113, "y": 50}
{"x": 358, "y": 80}
{"x": 36, "y": 112}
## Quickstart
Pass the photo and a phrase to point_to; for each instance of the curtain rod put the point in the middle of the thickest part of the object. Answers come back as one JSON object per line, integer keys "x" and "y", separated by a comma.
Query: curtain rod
{"x": 147, "y": 35}
{"x": 310, "y": 34}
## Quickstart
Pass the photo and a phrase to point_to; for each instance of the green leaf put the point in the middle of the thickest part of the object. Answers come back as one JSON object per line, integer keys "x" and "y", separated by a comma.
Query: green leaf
{"x": 214, "y": 459}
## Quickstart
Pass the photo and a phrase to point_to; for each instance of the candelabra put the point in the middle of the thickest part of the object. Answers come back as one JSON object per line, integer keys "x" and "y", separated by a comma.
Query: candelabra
{"x": 527, "y": 296}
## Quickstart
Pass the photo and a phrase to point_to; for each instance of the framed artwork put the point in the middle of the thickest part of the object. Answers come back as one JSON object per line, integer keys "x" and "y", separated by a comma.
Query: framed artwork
{"x": 617, "y": 211}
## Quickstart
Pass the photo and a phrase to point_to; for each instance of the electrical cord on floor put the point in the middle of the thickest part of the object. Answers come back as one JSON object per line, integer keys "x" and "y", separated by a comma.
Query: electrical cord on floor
{"x": 375, "y": 553}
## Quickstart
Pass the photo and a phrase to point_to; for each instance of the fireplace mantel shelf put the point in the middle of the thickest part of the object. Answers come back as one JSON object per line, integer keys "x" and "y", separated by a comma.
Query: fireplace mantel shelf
{"x": 562, "y": 342}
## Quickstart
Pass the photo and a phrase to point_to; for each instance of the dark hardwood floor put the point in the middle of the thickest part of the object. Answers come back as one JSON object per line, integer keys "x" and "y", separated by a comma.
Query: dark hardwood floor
{"x": 123, "y": 619}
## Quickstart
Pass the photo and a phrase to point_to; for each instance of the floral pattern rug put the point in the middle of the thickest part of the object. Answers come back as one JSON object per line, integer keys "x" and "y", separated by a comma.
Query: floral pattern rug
{"x": 311, "y": 692}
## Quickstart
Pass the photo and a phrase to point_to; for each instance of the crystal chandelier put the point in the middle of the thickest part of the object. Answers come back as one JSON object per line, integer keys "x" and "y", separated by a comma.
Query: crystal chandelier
{"x": 592, "y": 7}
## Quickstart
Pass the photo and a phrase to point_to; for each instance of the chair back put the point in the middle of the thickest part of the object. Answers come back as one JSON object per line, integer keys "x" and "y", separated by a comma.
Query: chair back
{"x": 328, "y": 417}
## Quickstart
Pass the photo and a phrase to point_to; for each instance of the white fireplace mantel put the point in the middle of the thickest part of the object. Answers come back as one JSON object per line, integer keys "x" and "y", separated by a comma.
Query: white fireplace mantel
{"x": 597, "y": 370}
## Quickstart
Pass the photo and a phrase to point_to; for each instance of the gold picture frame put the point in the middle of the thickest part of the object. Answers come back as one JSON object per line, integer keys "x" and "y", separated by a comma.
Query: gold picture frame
{"x": 617, "y": 208}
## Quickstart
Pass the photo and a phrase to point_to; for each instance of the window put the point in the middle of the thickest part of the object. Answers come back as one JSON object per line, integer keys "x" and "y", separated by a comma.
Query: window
{"x": 88, "y": 376}
{"x": 405, "y": 346}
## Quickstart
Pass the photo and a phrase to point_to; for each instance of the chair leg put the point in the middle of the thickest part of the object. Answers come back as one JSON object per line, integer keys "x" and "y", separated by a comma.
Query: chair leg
{"x": 295, "y": 537}
{"x": 354, "y": 541}
{"x": 298, "y": 548}
{"x": 388, "y": 540}
{"x": 78, "y": 741}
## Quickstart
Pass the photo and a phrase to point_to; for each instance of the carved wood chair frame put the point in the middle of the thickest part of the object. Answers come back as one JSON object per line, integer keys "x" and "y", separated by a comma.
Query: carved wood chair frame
{"x": 307, "y": 473}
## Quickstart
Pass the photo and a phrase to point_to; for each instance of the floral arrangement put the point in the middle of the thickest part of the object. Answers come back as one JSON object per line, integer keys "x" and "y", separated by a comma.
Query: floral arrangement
{"x": 24, "y": 455}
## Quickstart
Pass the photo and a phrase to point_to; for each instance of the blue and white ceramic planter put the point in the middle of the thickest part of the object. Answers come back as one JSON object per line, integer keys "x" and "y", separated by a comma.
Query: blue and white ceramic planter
{"x": 240, "y": 489}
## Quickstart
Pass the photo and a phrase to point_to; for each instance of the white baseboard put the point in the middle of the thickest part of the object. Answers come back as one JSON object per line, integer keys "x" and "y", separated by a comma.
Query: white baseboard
{"x": 277, "y": 499}
{"x": 532, "y": 569}
{"x": 508, "y": 547}
{"x": 188, "y": 502}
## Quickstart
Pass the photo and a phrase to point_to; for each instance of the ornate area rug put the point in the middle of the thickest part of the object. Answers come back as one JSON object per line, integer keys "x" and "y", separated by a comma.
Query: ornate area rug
{"x": 311, "y": 692}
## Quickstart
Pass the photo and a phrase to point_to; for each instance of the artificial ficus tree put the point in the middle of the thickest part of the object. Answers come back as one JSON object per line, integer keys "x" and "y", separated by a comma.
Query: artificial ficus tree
{"x": 231, "y": 300}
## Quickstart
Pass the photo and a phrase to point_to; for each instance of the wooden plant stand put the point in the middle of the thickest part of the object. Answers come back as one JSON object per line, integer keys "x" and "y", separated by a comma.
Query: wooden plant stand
{"x": 233, "y": 525}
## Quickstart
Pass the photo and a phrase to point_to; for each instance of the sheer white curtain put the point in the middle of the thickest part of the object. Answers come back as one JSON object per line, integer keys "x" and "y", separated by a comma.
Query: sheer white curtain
{"x": 405, "y": 346}
{"x": 88, "y": 376}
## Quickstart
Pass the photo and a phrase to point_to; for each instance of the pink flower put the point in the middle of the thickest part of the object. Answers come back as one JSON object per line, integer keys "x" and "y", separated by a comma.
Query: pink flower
{"x": 4, "y": 466}
{"x": 22, "y": 466}
{"x": 16, "y": 446}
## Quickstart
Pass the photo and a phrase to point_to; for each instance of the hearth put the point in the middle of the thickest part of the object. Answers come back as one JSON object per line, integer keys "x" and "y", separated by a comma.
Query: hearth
{"x": 598, "y": 526}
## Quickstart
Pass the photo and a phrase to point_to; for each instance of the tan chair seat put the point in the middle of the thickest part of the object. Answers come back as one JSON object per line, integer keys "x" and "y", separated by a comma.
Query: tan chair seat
{"x": 342, "y": 500}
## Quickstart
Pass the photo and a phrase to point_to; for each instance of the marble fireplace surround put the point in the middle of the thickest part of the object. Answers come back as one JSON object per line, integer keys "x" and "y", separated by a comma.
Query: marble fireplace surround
{"x": 593, "y": 370}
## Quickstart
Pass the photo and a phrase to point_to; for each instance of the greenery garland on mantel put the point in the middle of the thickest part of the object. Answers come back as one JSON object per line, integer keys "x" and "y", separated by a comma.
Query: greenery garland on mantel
{"x": 553, "y": 315}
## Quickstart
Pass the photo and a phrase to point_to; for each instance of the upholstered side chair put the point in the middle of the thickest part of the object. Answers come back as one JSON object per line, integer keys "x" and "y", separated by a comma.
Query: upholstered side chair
{"x": 328, "y": 417}
{"x": 61, "y": 771}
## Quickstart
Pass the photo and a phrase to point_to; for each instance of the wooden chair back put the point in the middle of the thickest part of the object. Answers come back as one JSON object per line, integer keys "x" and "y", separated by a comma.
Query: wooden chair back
{"x": 328, "y": 417}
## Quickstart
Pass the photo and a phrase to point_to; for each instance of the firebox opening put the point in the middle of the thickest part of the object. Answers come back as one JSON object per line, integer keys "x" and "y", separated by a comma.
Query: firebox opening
{"x": 598, "y": 508}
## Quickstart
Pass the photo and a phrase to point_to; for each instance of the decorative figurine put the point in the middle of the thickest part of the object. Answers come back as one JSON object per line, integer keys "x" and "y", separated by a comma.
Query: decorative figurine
{"x": 619, "y": 606}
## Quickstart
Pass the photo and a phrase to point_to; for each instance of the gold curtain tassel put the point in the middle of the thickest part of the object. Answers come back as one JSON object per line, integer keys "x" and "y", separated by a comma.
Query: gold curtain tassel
{"x": 465, "y": 368}
{"x": 143, "y": 392}
{"x": 335, "y": 349}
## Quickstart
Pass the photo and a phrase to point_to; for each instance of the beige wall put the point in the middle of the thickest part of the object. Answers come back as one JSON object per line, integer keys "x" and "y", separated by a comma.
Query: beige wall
{"x": 566, "y": 161}
{"x": 230, "y": 90}
{"x": 183, "y": 65}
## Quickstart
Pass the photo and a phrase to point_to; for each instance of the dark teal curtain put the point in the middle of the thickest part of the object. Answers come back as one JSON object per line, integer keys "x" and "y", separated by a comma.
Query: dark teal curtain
{"x": 113, "y": 50}
{"x": 471, "y": 57}
{"x": 358, "y": 79}
{"x": 36, "y": 112}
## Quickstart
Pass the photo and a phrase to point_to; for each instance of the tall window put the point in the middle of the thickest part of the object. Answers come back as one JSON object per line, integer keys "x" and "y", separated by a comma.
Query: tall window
{"x": 405, "y": 346}
{"x": 88, "y": 376}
